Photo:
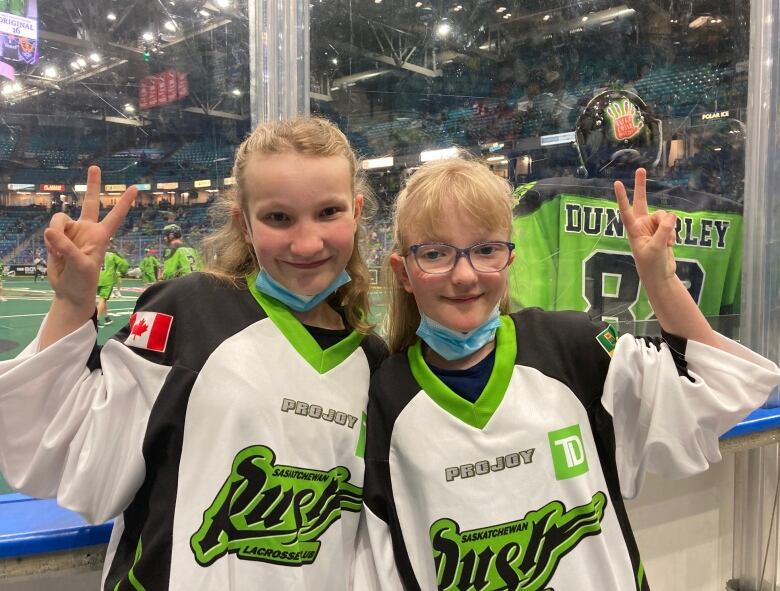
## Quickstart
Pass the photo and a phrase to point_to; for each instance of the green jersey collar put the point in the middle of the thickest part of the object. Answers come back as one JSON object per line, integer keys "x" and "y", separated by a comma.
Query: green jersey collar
{"x": 297, "y": 335}
{"x": 477, "y": 414}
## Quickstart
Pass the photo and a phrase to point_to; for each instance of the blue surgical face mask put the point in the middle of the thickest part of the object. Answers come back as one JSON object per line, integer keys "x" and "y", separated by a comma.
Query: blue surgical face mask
{"x": 452, "y": 344}
{"x": 295, "y": 301}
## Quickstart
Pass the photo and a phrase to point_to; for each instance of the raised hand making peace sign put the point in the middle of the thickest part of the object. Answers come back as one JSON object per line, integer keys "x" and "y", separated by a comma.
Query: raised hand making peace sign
{"x": 76, "y": 250}
{"x": 651, "y": 235}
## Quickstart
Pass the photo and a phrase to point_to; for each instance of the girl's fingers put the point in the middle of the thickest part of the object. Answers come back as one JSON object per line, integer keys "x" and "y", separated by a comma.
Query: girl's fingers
{"x": 53, "y": 252}
{"x": 59, "y": 221}
{"x": 114, "y": 217}
{"x": 623, "y": 205}
{"x": 61, "y": 245}
{"x": 671, "y": 224}
{"x": 640, "y": 192}
{"x": 90, "y": 207}
{"x": 664, "y": 232}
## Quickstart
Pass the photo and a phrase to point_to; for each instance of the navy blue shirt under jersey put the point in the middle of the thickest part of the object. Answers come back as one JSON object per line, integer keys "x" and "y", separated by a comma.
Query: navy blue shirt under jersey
{"x": 470, "y": 382}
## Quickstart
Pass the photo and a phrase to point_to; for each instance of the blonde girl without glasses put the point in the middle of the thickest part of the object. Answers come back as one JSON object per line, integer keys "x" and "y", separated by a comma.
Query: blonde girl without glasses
{"x": 223, "y": 427}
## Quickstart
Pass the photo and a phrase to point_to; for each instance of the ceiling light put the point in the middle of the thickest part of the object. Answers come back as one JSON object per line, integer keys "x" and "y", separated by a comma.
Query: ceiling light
{"x": 501, "y": 9}
{"x": 372, "y": 163}
{"x": 170, "y": 26}
{"x": 129, "y": 108}
{"x": 429, "y": 155}
{"x": 74, "y": 65}
{"x": 443, "y": 29}
{"x": 458, "y": 8}
{"x": 81, "y": 62}
{"x": 377, "y": 1}
{"x": 147, "y": 36}
{"x": 547, "y": 17}
{"x": 335, "y": 61}
{"x": 95, "y": 57}
{"x": 16, "y": 87}
{"x": 418, "y": 5}
{"x": 699, "y": 21}
{"x": 111, "y": 16}
{"x": 223, "y": 3}
{"x": 50, "y": 72}
{"x": 204, "y": 13}
{"x": 236, "y": 92}
{"x": 507, "y": 15}
{"x": 584, "y": 19}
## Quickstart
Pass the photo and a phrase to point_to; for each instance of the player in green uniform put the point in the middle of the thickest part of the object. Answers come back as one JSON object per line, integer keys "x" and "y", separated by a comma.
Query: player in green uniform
{"x": 576, "y": 254}
{"x": 114, "y": 265}
{"x": 150, "y": 267}
{"x": 180, "y": 259}
{"x": 2, "y": 275}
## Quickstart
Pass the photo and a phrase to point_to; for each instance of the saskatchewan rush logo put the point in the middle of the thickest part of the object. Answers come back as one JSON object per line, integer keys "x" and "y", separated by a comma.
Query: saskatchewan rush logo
{"x": 273, "y": 513}
{"x": 521, "y": 555}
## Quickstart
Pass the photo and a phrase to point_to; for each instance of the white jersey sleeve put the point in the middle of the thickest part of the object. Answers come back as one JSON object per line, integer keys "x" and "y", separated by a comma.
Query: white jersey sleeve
{"x": 669, "y": 407}
{"x": 75, "y": 434}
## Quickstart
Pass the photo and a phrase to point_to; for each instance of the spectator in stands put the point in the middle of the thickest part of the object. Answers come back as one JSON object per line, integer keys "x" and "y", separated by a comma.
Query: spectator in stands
{"x": 178, "y": 258}
{"x": 150, "y": 267}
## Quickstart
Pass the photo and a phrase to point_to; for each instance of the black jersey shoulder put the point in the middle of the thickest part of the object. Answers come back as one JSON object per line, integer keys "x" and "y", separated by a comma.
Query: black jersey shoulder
{"x": 563, "y": 346}
{"x": 392, "y": 387}
{"x": 206, "y": 310}
{"x": 375, "y": 350}
{"x": 659, "y": 195}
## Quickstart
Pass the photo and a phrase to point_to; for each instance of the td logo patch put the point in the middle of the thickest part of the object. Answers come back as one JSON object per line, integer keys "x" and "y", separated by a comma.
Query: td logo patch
{"x": 568, "y": 452}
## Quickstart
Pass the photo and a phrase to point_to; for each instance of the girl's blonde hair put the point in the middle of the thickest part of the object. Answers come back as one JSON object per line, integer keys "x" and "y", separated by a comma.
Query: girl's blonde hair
{"x": 229, "y": 257}
{"x": 434, "y": 188}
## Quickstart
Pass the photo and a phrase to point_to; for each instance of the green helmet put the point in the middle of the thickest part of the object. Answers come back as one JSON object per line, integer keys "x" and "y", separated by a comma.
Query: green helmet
{"x": 172, "y": 231}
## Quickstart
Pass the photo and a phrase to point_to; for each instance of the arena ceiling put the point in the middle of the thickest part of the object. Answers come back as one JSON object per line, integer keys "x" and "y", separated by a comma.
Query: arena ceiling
{"x": 376, "y": 58}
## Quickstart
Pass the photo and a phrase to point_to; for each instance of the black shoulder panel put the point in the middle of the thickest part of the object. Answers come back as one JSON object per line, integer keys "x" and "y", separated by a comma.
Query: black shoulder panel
{"x": 376, "y": 351}
{"x": 563, "y": 346}
{"x": 392, "y": 388}
{"x": 206, "y": 311}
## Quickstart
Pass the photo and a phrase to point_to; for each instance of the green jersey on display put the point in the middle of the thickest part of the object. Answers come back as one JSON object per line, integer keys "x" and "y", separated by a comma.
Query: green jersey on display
{"x": 573, "y": 251}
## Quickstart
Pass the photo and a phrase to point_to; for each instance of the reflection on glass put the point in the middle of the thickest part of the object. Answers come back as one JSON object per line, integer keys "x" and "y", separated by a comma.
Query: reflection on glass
{"x": 156, "y": 94}
{"x": 509, "y": 82}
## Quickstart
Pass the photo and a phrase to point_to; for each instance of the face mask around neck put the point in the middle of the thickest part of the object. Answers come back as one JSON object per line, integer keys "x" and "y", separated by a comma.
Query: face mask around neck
{"x": 452, "y": 344}
{"x": 298, "y": 302}
{"x": 295, "y": 301}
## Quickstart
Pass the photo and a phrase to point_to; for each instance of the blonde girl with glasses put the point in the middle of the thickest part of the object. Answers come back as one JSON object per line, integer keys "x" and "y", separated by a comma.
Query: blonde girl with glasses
{"x": 223, "y": 427}
{"x": 500, "y": 446}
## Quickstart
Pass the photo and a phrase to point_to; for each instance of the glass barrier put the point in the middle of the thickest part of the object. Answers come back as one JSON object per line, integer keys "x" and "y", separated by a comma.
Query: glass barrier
{"x": 156, "y": 94}
{"x": 560, "y": 99}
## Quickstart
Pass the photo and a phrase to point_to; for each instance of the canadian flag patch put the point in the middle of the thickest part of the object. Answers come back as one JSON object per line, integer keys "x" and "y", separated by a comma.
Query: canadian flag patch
{"x": 149, "y": 330}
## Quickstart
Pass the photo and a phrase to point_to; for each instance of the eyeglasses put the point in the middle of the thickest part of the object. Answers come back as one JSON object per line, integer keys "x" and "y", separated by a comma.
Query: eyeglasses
{"x": 485, "y": 257}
